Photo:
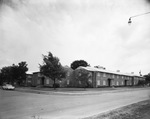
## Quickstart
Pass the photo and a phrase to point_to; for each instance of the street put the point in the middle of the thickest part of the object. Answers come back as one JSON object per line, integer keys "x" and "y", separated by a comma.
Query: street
{"x": 21, "y": 105}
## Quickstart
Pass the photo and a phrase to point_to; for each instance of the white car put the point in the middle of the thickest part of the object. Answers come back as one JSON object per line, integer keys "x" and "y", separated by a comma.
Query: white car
{"x": 8, "y": 87}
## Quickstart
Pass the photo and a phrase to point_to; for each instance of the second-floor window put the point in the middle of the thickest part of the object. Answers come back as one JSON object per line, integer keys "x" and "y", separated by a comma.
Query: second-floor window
{"x": 98, "y": 74}
{"x": 104, "y": 74}
{"x": 68, "y": 73}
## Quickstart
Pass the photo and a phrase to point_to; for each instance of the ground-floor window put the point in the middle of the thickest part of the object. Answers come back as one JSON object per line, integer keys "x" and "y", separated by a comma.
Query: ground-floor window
{"x": 47, "y": 81}
{"x": 134, "y": 82}
{"x": 104, "y": 82}
{"x": 67, "y": 82}
{"x": 117, "y": 83}
{"x": 38, "y": 81}
{"x": 98, "y": 82}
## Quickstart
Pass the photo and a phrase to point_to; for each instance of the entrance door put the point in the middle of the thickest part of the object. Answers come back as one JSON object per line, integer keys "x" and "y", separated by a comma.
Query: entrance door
{"x": 125, "y": 83}
{"x": 109, "y": 82}
{"x": 42, "y": 81}
{"x": 132, "y": 82}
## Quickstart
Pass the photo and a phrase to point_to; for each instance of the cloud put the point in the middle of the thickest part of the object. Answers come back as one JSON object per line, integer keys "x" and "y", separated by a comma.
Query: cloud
{"x": 95, "y": 31}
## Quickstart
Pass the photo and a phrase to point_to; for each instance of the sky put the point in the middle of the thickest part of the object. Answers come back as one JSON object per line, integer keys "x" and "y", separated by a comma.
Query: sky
{"x": 96, "y": 31}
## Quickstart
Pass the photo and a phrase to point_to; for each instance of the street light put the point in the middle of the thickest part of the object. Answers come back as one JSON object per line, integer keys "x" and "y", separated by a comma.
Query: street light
{"x": 130, "y": 21}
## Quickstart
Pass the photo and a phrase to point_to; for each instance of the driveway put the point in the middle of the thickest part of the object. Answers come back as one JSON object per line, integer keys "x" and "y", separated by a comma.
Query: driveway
{"x": 19, "y": 105}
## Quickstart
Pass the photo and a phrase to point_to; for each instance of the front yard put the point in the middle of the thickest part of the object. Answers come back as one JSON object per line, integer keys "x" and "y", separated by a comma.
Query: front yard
{"x": 140, "y": 110}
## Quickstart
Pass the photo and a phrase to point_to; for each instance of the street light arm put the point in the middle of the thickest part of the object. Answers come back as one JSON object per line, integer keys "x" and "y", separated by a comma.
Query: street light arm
{"x": 140, "y": 14}
{"x": 130, "y": 21}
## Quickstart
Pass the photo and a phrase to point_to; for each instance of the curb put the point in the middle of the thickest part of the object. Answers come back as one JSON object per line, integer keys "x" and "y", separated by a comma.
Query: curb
{"x": 72, "y": 93}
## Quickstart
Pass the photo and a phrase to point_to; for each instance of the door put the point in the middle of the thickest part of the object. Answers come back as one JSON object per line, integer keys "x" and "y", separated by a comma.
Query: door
{"x": 125, "y": 83}
{"x": 42, "y": 81}
{"x": 109, "y": 82}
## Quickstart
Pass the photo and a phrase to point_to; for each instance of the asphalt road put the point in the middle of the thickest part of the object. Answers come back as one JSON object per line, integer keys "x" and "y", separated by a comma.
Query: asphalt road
{"x": 21, "y": 105}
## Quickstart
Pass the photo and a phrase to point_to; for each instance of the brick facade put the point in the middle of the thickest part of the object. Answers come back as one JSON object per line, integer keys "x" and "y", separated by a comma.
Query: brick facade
{"x": 103, "y": 78}
{"x": 96, "y": 78}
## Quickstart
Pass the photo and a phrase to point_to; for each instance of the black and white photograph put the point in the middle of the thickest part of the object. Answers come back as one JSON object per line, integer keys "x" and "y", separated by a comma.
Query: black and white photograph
{"x": 74, "y": 59}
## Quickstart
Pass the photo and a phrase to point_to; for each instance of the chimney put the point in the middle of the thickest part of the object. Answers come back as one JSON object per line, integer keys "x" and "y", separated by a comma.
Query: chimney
{"x": 118, "y": 70}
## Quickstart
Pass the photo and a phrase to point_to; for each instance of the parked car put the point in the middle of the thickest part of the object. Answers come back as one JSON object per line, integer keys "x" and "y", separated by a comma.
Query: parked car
{"x": 8, "y": 87}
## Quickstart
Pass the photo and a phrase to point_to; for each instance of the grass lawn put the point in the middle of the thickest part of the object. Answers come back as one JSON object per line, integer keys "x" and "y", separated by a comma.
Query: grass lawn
{"x": 140, "y": 110}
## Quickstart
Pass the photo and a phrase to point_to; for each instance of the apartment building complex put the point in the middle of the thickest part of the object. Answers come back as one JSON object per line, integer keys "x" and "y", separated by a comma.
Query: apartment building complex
{"x": 100, "y": 77}
{"x": 97, "y": 77}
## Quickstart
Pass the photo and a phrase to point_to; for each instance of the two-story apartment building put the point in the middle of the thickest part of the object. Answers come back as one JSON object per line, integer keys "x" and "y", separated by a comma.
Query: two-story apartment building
{"x": 97, "y": 77}
{"x": 101, "y": 77}
{"x": 40, "y": 80}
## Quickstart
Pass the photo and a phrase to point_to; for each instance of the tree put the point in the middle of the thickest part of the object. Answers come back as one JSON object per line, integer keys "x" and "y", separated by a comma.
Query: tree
{"x": 77, "y": 63}
{"x": 20, "y": 72}
{"x": 14, "y": 73}
{"x": 147, "y": 78}
{"x": 52, "y": 68}
{"x": 82, "y": 77}
{"x": 6, "y": 74}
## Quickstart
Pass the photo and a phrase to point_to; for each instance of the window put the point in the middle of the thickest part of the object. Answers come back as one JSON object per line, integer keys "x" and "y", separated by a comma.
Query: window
{"x": 104, "y": 74}
{"x": 98, "y": 74}
{"x": 117, "y": 83}
{"x": 113, "y": 76}
{"x": 39, "y": 75}
{"x": 67, "y": 82}
{"x": 130, "y": 77}
{"x": 104, "y": 82}
{"x": 98, "y": 82}
{"x": 47, "y": 81}
{"x": 38, "y": 81}
{"x": 117, "y": 76}
{"x": 122, "y": 77}
{"x": 68, "y": 73}
{"x": 135, "y": 82}
{"x": 122, "y": 82}
{"x": 90, "y": 74}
